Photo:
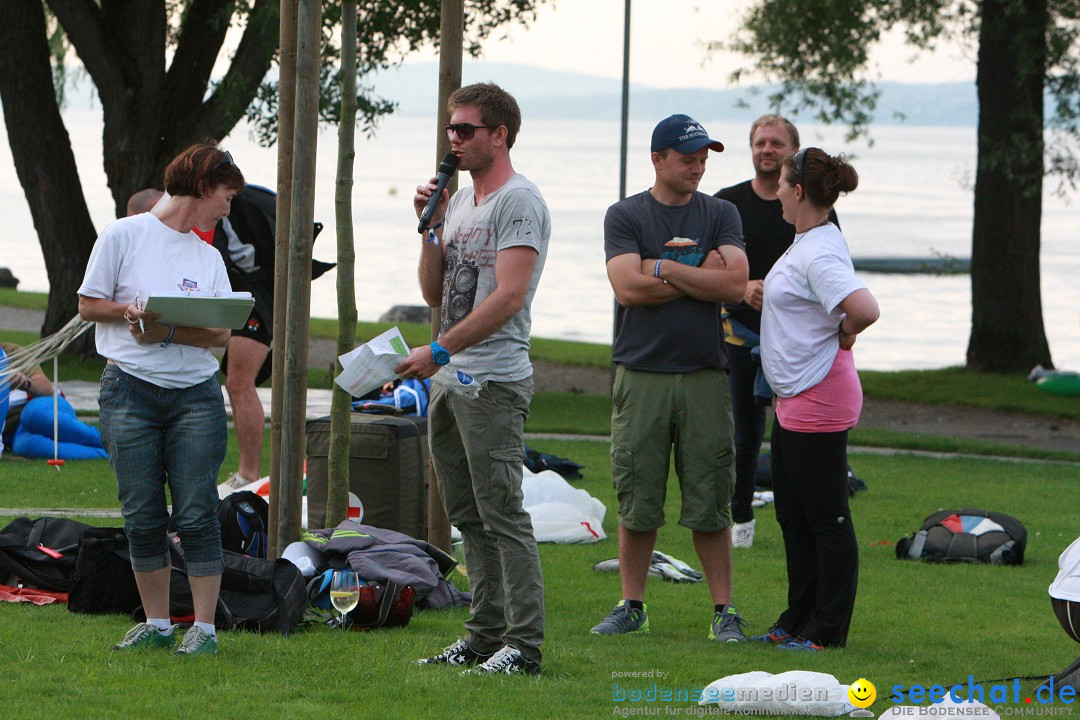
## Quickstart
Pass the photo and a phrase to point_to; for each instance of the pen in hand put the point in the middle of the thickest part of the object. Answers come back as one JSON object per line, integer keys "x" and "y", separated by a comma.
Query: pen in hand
{"x": 139, "y": 307}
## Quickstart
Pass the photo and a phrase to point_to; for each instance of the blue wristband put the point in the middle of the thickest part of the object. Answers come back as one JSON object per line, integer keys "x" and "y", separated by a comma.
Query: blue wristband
{"x": 656, "y": 268}
{"x": 439, "y": 354}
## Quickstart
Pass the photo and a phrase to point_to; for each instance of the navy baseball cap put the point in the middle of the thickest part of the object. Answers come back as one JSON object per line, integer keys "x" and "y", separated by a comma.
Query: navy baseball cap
{"x": 684, "y": 134}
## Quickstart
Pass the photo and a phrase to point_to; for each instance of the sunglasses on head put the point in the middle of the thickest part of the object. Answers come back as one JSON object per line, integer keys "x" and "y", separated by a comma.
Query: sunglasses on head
{"x": 465, "y": 131}
{"x": 226, "y": 159}
{"x": 799, "y": 157}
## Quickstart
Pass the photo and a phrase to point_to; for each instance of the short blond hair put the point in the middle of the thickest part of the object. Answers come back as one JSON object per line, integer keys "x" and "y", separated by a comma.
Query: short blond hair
{"x": 772, "y": 119}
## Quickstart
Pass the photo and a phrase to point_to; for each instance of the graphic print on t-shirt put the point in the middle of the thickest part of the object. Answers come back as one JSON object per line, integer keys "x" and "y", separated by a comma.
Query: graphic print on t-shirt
{"x": 683, "y": 250}
{"x": 462, "y": 274}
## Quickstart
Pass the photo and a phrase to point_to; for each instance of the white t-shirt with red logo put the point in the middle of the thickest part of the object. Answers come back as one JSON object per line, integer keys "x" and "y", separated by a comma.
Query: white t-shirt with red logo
{"x": 134, "y": 257}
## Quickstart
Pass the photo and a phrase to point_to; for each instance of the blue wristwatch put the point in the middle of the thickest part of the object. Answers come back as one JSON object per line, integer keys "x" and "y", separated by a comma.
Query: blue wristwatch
{"x": 439, "y": 354}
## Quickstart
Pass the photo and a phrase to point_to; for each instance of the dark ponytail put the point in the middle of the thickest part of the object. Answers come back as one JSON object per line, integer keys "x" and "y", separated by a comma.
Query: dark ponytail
{"x": 824, "y": 177}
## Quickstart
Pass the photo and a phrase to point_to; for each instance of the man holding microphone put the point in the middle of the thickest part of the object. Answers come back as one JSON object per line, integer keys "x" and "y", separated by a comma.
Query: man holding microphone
{"x": 480, "y": 262}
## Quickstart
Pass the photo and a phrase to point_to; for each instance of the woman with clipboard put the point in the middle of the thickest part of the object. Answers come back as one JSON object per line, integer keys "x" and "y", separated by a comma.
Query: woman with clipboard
{"x": 162, "y": 413}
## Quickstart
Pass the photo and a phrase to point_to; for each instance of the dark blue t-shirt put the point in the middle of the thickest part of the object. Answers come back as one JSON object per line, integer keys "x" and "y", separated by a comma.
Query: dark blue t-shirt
{"x": 685, "y": 334}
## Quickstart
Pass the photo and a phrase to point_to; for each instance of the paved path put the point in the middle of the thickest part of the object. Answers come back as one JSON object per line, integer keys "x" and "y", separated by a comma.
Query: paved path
{"x": 83, "y": 396}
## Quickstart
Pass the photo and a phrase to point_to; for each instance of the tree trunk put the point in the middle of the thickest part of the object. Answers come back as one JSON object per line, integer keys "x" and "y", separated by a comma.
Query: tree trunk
{"x": 337, "y": 494}
{"x": 301, "y": 237}
{"x": 1007, "y": 333}
{"x": 43, "y": 158}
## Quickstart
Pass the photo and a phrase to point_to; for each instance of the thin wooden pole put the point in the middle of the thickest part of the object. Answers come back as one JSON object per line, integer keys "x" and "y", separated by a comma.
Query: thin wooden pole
{"x": 301, "y": 237}
{"x": 451, "y": 36}
{"x": 337, "y": 485}
{"x": 286, "y": 108}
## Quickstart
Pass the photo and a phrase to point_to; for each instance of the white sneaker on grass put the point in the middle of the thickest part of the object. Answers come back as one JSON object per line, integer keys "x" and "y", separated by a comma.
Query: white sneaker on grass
{"x": 742, "y": 534}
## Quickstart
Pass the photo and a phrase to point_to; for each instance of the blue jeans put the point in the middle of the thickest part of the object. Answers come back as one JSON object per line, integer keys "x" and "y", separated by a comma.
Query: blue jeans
{"x": 157, "y": 436}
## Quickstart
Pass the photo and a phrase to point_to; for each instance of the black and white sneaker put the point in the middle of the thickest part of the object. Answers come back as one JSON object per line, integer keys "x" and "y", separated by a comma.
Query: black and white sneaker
{"x": 509, "y": 661}
{"x": 460, "y": 653}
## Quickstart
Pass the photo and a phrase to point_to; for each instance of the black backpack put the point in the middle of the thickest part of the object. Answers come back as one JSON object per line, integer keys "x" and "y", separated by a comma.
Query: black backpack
{"x": 103, "y": 581}
{"x": 969, "y": 535}
{"x": 40, "y": 553}
{"x": 244, "y": 519}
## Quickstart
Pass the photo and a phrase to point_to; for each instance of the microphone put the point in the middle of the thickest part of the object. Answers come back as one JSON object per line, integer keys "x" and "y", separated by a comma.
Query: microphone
{"x": 446, "y": 170}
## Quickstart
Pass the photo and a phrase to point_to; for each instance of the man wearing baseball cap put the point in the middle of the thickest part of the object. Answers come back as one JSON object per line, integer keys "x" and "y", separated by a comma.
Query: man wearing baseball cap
{"x": 673, "y": 255}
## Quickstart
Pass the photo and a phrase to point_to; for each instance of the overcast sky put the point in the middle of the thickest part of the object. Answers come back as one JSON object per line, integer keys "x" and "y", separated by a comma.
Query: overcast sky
{"x": 666, "y": 44}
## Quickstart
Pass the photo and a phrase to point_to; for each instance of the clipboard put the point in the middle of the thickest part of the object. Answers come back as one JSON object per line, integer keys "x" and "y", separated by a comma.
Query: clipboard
{"x": 202, "y": 309}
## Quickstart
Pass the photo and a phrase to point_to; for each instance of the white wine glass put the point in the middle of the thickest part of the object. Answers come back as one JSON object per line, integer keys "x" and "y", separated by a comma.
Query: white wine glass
{"x": 344, "y": 593}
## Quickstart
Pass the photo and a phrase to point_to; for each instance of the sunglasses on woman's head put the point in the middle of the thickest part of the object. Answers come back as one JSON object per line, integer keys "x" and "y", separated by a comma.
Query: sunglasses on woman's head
{"x": 465, "y": 131}
{"x": 226, "y": 159}
{"x": 799, "y": 157}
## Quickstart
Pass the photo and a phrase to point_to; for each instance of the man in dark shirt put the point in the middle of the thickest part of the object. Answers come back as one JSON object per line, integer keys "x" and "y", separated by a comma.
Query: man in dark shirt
{"x": 673, "y": 254}
{"x": 773, "y": 139}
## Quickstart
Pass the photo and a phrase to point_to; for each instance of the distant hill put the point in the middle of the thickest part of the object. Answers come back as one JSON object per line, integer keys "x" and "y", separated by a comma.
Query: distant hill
{"x": 552, "y": 94}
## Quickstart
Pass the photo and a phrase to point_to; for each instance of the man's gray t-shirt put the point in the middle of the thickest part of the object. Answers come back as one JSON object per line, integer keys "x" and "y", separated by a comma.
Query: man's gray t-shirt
{"x": 514, "y": 215}
{"x": 685, "y": 334}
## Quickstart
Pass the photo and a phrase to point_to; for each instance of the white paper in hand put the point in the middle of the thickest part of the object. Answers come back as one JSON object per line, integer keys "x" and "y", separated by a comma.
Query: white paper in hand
{"x": 372, "y": 364}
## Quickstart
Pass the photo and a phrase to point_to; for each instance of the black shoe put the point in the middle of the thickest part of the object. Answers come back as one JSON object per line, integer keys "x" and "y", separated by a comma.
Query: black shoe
{"x": 460, "y": 653}
{"x": 509, "y": 661}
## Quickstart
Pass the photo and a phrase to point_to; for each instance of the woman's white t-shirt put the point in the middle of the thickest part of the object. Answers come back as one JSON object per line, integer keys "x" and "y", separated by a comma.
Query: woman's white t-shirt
{"x": 134, "y": 257}
{"x": 799, "y": 318}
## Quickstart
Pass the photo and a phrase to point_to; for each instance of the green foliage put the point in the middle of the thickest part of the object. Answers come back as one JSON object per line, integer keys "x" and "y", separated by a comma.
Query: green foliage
{"x": 819, "y": 52}
{"x": 914, "y": 623}
{"x": 386, "y": 32}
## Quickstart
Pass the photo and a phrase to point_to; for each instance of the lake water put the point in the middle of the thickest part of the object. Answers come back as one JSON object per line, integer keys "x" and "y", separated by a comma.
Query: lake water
{"x": 914, "y": 199}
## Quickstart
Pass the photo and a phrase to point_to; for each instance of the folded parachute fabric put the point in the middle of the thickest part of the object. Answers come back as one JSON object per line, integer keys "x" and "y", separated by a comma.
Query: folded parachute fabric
{"x": 796, "y": 692}
{"x": 663, "y": 566}
{"x": 561, "y": 513}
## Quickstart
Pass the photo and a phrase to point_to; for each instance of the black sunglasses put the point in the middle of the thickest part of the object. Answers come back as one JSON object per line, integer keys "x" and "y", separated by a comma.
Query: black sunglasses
{"x": 226, "y": 159}
{"x": 465, "y": 131}
{"x": 799, "y": 157}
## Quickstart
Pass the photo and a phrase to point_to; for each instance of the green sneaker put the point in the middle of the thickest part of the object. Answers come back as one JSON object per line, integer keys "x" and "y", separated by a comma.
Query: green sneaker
{"x": 726, "y": 627}
{"x": 197, "y": 642}
{"x": 146, "y": 636}
{"x": 623, "y": 620}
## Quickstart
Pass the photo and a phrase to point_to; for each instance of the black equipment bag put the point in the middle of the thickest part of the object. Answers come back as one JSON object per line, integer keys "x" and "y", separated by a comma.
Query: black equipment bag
{"x": 39, "y": 553}
{"x": 245, "y": 517}
{"x": 104, "y": 581}
{"x": 256, "y": 594}
{"x": 388, "y": 464}
{"x": 969, "y": 535}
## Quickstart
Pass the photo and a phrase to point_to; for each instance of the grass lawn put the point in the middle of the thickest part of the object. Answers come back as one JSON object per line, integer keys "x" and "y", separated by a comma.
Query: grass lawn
{"x": 914, "y": 623}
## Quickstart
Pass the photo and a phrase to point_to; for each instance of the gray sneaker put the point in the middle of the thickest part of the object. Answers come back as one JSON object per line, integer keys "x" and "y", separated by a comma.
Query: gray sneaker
{"x": 623, "y": 620}
{"x": 146, "y": 636}
{"x": 727, "y": 627}
{"x": 197, "y": 642}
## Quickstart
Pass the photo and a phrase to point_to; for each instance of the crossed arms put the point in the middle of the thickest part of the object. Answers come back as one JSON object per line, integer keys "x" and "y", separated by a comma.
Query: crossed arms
{"x": 720, "y": 277}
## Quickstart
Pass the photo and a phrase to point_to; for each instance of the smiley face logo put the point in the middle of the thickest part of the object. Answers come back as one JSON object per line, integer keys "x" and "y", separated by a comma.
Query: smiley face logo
{"x": 862, "y": 693}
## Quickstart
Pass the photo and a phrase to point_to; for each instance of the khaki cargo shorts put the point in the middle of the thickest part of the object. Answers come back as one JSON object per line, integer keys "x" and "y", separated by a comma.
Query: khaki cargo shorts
{"x": 653, "y": 413}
